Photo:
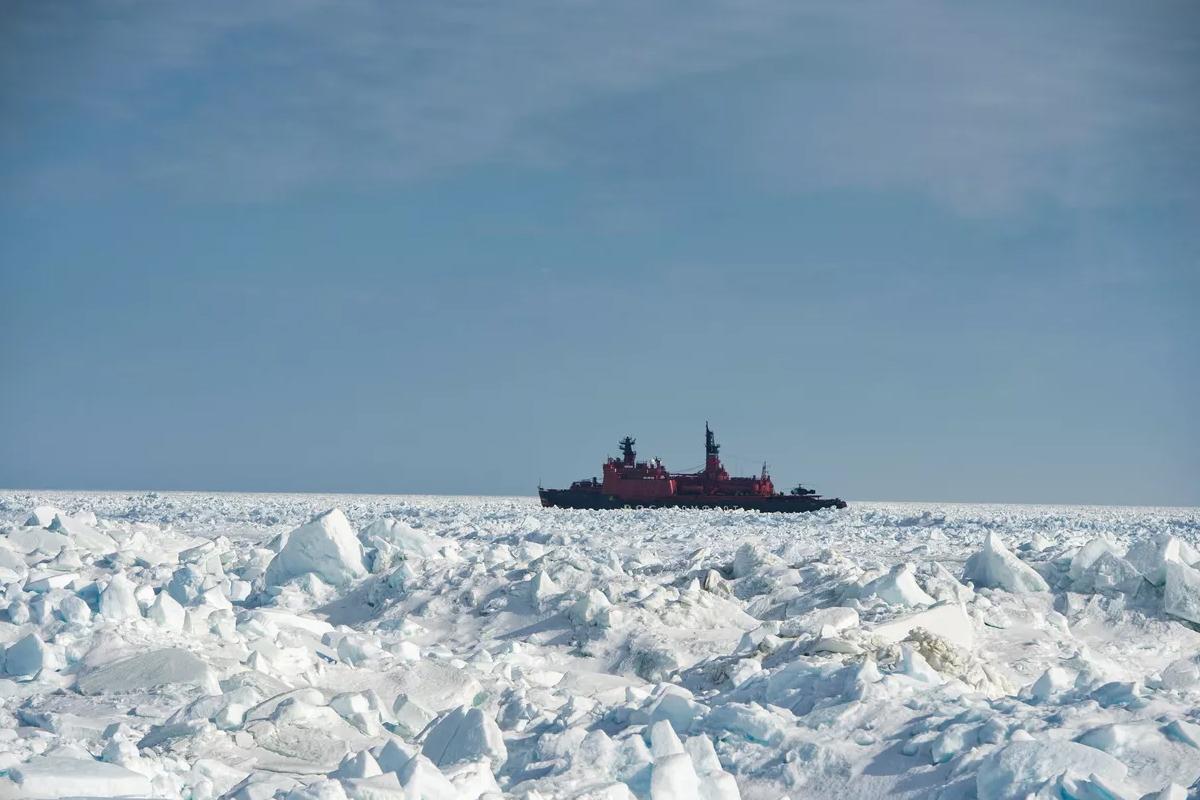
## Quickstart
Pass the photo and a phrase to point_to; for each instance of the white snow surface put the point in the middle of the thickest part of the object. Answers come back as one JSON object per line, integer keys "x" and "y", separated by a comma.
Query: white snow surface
{"x": 250, "y": 646}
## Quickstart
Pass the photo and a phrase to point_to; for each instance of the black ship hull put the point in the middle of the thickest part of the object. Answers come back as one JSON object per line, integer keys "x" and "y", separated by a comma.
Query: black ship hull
{"x": 780, "y": 503}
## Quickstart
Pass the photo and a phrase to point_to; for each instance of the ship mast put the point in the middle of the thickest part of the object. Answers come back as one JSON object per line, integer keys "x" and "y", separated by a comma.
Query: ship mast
{"x": 712, "y": 461}
{"x": 627, "y": 450}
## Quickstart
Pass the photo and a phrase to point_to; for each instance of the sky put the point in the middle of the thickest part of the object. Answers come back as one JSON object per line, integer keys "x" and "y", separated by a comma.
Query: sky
{"x": 903, "y": 251}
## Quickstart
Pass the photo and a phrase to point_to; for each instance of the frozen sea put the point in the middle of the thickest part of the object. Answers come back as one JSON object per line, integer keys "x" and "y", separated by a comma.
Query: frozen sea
{"x": 252, "y": 646}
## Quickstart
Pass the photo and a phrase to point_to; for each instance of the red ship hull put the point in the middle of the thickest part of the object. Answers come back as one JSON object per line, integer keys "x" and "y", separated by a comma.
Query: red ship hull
{"x": 780, "y": 503}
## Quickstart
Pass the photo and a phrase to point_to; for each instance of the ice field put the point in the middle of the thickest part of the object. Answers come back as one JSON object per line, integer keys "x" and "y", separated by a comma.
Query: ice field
{"x": 183, "y": 645}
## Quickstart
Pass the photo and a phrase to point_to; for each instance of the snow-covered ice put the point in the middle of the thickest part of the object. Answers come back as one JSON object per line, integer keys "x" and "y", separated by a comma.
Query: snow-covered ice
{"x": 199, "y": 646}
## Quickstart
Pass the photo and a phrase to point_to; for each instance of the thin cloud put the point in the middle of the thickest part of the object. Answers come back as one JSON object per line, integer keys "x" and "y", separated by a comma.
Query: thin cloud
{"x": 982, "y": 109}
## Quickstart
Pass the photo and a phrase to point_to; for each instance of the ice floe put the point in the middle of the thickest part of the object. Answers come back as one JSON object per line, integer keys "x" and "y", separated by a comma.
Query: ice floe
{"x": 326, "y": 547}
{"x": 256, "y": 647}
{"x": 996, "y": 567}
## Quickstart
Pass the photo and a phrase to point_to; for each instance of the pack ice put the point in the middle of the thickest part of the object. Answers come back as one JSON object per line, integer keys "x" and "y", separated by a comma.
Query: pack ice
{"x": 398, "y": 648}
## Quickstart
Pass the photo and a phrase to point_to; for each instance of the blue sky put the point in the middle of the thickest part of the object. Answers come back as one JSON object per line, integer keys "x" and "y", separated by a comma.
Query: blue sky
{"x": 906, "y": 251}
